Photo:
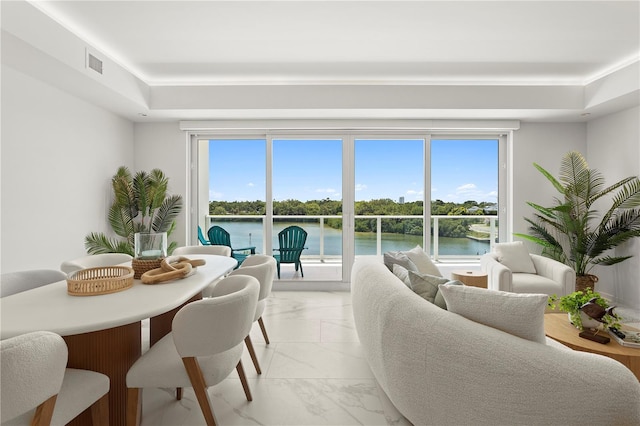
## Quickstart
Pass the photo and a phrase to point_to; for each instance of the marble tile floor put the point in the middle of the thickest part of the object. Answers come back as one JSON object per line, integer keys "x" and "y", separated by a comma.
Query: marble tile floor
{"x": 313, "y": 373}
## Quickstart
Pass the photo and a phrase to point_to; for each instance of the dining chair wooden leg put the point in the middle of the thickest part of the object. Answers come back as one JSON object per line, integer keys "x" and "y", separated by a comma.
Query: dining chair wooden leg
{"x": 200, "y": 389}
{"x": 134, "y": 408}
{"x": 44, "y": 412}
{"x": 243, "y": 380}
{"x": 252, "y": 353}
{"x": 264, "y": 330}
{"x": 100, "y": 411}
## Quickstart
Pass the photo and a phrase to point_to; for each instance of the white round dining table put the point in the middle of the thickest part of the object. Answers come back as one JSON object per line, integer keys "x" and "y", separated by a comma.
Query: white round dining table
{"x": 103, "y": 332}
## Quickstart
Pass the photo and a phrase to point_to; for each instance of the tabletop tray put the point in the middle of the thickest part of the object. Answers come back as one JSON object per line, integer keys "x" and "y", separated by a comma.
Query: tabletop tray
{"x": 100, "y": 280}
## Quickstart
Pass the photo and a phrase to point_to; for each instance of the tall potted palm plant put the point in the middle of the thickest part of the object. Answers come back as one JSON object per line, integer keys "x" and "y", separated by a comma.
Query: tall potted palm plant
{"x": 572, "y": 231}
{"x": 141, "y": 205}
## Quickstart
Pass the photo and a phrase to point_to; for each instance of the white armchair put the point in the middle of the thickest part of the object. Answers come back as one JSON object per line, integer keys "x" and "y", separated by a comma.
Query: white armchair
{"x": 511, "y": 268}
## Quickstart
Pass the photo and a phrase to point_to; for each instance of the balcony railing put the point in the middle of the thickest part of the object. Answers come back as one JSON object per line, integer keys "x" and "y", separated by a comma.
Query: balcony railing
{"x": 325, "y": 243}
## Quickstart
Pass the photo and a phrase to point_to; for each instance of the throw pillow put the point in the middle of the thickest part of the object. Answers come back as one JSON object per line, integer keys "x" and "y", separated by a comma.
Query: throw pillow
{"x": 422, "y": 261}
{"x": 515, "y": 256}
{"x": 425, "y": 285}
{"x": 519, "y": 314}
{"x": 399, "y": 258}
{"x": 439, "y": 299}
{"x": 402, "y": 273}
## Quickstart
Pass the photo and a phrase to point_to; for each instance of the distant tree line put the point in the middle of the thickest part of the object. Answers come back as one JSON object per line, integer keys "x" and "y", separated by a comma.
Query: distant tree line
{"x": 457, "y": 228}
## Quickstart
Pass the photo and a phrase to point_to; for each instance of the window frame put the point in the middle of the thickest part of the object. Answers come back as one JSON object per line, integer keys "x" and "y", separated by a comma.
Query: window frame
{"x": 504, "y": 136}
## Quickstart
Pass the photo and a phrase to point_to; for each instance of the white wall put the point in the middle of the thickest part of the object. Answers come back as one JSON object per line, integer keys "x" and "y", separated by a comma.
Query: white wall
{"x": 164, "y": 146}
{"x": 58, "y": 156}
{"x": 613, "y": 147}
{"x": 544, "y": 144}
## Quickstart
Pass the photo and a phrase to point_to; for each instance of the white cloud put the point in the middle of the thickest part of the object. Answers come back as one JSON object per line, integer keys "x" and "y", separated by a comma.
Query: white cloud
{"x": 467, "y": 187}
{"x": 414, "y": 195}
{"x": 360, "y": 186}
{"x": 326, "y": 190}
{"x": 250, "y": 185}
{"x": 213, "y": 195}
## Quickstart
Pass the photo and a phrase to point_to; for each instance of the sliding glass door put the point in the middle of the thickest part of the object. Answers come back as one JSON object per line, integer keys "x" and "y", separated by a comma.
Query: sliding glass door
{"x": 354, "y": 195}
{"x": 389, "y": 195}
{"x": 307, "y": 192}
{"x": 237, "y": 190}
{"x": 464, "y": 193}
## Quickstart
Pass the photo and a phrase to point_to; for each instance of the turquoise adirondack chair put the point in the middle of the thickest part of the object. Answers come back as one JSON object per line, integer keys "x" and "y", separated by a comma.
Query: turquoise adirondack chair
{"x": 220, "y": 236}
{"x": 202, "y": 239}
{"x": 291, "y": 240}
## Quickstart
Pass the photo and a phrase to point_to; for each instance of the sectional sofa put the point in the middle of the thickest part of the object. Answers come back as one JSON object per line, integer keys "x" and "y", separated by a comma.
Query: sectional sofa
{"x": 441, "y": 368}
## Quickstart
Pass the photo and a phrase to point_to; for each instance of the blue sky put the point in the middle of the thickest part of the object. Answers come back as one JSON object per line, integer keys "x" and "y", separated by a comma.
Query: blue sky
{"x": 312, "y": 169}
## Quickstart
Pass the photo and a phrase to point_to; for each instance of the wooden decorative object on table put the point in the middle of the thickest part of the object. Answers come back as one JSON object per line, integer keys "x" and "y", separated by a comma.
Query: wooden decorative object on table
{"x": 100, "y": 280}
{"x": 472, "y": 278}
{"x": 171, "y": 268}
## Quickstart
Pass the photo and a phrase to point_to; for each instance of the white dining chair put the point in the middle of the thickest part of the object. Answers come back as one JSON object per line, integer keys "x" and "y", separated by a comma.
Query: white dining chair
{"x": 19, "y": 281}
{"x": 204, "y": 346}
{"x": 37, "y": 389}
{"x": 210, "y": 249}
{"x": 94, "y": 261}
{"x": 263, "y": 268}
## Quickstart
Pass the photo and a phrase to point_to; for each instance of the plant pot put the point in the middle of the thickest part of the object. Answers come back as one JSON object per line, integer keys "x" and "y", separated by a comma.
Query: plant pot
{"x": 586, "y": 281}
{"x": 149, "y": 248}
{"x": 587, "y": 321}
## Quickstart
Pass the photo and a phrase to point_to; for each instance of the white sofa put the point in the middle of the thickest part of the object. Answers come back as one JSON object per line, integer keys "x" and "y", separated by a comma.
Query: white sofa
{"x": 440, "y": 368}
{"x": 551, "y": 277}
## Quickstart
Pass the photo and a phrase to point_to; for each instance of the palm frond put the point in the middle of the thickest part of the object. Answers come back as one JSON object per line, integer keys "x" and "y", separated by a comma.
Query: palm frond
{"x": 167, "y": 213}
{"x": 98, "y": 243}
{"x": 141, "y": 183}
{"x": 120, "y": 220}
{"x": 123, "y": 193}
{"x": 158, "y": 184}
{"x": 610, "y": 260}
{"x": 550, "y": 177}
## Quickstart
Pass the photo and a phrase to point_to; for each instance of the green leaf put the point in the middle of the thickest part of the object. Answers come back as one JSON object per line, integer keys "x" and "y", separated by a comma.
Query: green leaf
{"x": 570, "y": 230}
{"x": 140, "y": 204}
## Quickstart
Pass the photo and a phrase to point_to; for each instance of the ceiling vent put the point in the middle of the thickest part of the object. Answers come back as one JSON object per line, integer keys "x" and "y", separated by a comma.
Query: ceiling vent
{"x": 94, "y": 63}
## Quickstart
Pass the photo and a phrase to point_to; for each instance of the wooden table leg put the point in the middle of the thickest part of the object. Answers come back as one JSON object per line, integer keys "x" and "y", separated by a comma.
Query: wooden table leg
{"x": 160, "y": 325}
{"x": 111, "y": 352}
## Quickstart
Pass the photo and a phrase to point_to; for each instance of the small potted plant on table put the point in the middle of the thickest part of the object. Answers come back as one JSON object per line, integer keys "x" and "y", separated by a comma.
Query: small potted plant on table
{"x": 572, "y": 303}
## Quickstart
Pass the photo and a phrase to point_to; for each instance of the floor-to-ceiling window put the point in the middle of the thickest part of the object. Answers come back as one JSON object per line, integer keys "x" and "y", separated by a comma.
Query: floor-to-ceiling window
{"x": 389, "y": 194}
{"x": 307, "y": 192}
{"x": 237, "y": 190}
{"x": 355, "y": 194}
{"x": 464, "y": 176}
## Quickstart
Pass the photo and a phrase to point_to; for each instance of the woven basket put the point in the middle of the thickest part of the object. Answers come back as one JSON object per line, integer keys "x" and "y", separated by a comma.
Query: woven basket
{"x": 140, "y": 266}
{"x": 586, "y": 281}
{"x": 100, "y": 280}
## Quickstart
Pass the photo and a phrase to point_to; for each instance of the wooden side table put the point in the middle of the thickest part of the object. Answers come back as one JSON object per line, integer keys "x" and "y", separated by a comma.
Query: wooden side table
{"x": 472, "y": 278}
{"x": 558, "y": 327}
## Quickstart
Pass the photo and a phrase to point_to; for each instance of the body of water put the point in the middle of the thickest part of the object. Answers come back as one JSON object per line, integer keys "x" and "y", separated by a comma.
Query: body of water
{"x": 244, "y": 234}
